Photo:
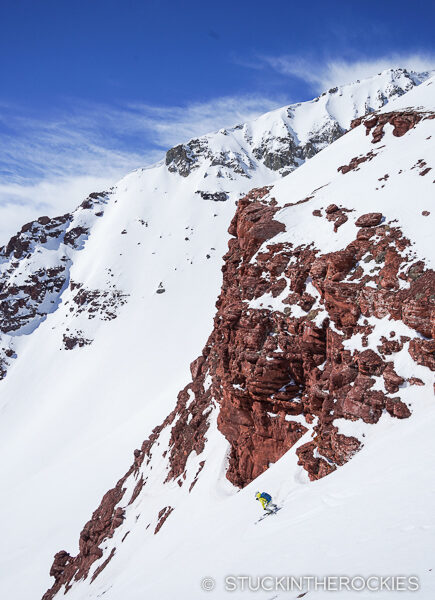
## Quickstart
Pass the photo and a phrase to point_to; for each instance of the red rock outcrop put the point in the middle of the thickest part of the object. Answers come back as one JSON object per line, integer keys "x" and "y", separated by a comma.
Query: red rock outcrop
{"x": 163, "y": 515}
{"x": 369, "y": 220}
{"x": 337, "y": 215}
{"x": 101, "y": 526}
{"x": 401, "y": 121}
{"x": 267, "y": 363}
{"x": 356, "y": 162}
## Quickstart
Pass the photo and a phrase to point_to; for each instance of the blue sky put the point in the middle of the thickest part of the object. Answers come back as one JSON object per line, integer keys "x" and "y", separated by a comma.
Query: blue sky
{"x": 91, "y": 89}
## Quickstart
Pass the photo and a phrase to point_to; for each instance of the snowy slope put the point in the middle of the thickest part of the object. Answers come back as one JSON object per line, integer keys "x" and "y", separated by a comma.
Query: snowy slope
{"x": 70, "y": 417}
{"x": 372, "y": 516}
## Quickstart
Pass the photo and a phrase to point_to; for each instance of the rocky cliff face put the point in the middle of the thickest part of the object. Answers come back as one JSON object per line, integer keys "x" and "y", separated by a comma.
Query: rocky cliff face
{"x": 34, "y": 270}
{"x": 281, "y": 371}
{"x": 296, "y": 349}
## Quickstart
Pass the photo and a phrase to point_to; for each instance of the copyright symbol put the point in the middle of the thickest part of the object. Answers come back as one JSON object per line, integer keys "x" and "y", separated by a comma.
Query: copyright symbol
{"x": 208, "y": 584}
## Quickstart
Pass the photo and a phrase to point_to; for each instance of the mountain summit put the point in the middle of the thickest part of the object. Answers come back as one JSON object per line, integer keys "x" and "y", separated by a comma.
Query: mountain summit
{"x": 283, "y": 139}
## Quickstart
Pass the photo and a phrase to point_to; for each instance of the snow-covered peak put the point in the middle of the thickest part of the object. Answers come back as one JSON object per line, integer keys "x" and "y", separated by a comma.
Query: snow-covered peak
{"x": 419, "y": 97}
{"x": 279, "y": 141}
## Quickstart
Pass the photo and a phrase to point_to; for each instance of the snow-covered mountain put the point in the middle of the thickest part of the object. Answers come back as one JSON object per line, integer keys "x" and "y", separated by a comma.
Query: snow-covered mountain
{"x": 281, "y": 140}
{"x": 103, "y": 311}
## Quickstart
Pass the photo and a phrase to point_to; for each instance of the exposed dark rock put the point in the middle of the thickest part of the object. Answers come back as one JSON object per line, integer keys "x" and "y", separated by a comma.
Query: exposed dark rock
{"x": 180, "y": 159}
{"x": 103, "y": 304}
{"x": 28, "y": 289}
{"x": 70, "y": 341}
{"x": 73, "y": 235}
{"x": 214, "y": 196}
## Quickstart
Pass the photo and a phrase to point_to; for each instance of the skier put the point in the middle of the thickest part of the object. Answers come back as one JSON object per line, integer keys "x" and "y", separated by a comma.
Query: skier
{"x": 266, "y": 502}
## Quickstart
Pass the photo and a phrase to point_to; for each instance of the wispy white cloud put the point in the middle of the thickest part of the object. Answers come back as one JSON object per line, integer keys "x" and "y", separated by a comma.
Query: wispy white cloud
{"x": 164, "y": 126}
{"x": 48, "y": 164}
{"x": 172, "y": 125}
{"x": 322, "y": 75}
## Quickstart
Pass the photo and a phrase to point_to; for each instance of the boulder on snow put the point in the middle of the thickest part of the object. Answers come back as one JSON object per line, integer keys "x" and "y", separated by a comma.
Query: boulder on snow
{"x": 369, "y": 220}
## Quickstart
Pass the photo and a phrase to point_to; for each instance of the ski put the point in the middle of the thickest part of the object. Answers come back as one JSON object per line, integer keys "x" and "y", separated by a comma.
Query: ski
{"x": 273, "y": 512}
